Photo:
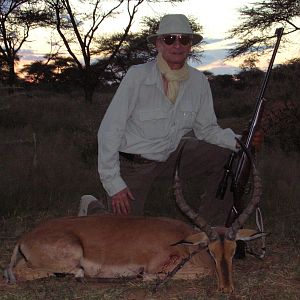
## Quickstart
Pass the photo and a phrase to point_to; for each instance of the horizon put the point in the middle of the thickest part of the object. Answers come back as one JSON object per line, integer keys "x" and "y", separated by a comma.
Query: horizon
{"x": 214, "y": 31}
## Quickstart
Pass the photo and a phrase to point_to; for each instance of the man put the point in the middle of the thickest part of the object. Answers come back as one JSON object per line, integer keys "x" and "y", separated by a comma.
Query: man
{"x": 154, "y": 109}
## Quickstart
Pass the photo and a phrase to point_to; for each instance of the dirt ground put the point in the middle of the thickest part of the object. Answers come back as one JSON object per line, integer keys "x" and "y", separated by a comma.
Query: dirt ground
{"x": 277, "y": 276}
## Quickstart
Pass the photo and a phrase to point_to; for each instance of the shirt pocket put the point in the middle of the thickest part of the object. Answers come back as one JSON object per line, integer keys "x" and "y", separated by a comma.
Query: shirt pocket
{"x": 154, "y": 123}
{"x": 187, "y": 118}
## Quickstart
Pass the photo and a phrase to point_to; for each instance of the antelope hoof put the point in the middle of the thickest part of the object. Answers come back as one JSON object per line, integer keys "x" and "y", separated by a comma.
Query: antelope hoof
{"x": 9, "y": 276}
{"x": 226, "y": 290}
{"x": 221, "y": 288}
{"x": 229, "y": 290}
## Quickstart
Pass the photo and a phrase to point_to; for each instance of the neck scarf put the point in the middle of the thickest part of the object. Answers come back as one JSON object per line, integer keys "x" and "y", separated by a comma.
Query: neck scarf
{"x": 173, "y": 77}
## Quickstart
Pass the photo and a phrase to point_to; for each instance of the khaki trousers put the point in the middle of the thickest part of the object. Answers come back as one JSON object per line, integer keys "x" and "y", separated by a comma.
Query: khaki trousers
{"x": 201, "y": 164}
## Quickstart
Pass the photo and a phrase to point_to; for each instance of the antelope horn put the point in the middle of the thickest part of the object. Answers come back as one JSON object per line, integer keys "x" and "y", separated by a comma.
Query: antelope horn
{"x": 185, "y": 208}
{"x": 252, "y": 205}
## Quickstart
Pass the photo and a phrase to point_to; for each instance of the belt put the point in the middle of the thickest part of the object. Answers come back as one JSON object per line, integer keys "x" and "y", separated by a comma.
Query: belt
{"x": 135, "y": 158}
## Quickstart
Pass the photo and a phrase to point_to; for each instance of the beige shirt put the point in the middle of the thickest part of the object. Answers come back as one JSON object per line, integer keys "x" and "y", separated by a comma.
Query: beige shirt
{"x": 142, "y": 120}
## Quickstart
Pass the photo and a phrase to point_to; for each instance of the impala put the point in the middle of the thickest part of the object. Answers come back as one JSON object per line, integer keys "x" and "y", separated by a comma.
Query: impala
{"x": 109, "y": 246}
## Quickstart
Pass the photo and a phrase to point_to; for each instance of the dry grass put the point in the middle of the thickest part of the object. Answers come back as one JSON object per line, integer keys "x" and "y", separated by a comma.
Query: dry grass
{"x": 66, "y": 168}
{"x": 64, "y": 164}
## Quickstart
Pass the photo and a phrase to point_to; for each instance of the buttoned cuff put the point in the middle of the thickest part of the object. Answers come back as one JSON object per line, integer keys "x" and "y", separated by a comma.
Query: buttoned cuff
{"x": 114, "y": 186}
{"x": 236, "y": 149}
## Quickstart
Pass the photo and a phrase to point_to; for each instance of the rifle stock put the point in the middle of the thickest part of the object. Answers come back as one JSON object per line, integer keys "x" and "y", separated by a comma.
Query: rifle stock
{"x": 241, "y": 173}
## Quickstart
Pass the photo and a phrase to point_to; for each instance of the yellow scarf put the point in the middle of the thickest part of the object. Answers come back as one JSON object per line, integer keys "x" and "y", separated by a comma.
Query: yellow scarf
{"x": 172, "y": 76}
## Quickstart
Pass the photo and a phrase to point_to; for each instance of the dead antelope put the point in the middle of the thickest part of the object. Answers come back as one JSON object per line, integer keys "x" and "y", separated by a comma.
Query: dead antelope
{"x": 108, "y": 246}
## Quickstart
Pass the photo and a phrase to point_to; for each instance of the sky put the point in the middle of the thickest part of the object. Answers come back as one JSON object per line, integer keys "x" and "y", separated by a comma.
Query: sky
{"x": 216, "y": 17}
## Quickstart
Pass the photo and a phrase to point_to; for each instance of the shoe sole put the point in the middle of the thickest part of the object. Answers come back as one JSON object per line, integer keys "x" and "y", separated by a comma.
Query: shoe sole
{"x": 84, "y": 204}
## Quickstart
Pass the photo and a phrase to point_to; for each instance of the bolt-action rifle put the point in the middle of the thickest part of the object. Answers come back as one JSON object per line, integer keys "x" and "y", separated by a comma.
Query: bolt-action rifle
{"x": 239, "y": 161}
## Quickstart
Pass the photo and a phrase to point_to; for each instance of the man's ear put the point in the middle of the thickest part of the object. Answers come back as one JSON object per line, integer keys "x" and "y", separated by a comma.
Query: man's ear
{"x": 249, "y": 235}
{"x": 199, "y": 238}
{"x": 158, "y": 44}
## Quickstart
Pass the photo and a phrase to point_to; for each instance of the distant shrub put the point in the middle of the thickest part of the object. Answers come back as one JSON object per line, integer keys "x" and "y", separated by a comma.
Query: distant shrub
{"x": 236, "y": 96}
{"x": 281, "y": 124}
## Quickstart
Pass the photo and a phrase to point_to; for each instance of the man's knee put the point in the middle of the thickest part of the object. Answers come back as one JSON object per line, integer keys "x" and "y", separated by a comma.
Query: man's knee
{"x": 199, "y": 157}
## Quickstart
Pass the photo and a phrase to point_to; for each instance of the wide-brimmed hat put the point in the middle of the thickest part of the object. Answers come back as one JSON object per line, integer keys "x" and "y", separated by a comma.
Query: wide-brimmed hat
{"x": 175, "y": 24}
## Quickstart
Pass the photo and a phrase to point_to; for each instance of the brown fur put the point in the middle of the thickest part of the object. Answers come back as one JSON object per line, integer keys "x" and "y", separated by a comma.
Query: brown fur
{"x": 108, "y": 246}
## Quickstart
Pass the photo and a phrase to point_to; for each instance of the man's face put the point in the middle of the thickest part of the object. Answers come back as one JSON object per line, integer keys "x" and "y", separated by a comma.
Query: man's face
{"x": 174, "y": 49}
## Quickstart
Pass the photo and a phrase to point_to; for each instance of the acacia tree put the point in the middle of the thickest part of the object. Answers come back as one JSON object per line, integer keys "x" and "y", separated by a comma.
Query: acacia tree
{"x": 17, "y": 17}
{"x": 55, "y": 69}
{"x": 78, "y": 28}
{"x": 38, "y": 72}
{"x": 259, "y": 21}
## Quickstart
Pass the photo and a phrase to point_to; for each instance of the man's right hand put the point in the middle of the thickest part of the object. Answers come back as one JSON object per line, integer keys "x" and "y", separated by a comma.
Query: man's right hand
{"x": 121, "y": 202}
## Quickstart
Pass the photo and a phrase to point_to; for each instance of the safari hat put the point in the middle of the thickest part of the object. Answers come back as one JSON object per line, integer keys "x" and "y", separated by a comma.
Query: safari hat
{"x": 175, "y": 24}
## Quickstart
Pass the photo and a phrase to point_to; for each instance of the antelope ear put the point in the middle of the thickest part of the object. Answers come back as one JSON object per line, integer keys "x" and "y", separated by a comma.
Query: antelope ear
{"x": 249, "y": 235}
{"x": 199, "y": 238}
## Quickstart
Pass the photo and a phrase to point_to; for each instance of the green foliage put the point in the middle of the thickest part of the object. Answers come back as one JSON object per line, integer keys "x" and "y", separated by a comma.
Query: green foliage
{"x": 259, "y": 21}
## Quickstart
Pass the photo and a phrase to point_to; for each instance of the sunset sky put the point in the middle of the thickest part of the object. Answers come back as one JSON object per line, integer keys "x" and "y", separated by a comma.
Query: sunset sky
{"x": 216, "y": 17}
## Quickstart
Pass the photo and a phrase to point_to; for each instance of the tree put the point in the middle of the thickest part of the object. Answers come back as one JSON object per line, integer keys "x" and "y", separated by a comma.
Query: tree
{"x": 3, "y": 69}
{"x": 38, "y": 72}
{"x": 17, "y": 17}
{"x": 249, "y": 63}
{"x": 55, "y": 70}
{"x": 78, "y": 28}
{"x": 259, "y": 21}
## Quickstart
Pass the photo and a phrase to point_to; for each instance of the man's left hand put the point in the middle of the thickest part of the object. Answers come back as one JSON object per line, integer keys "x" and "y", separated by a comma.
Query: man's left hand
{"x": 257, "y": 139}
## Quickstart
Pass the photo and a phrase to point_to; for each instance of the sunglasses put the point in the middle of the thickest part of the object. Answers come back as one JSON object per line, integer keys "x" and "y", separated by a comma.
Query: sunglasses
{"x": 183, "y": 39}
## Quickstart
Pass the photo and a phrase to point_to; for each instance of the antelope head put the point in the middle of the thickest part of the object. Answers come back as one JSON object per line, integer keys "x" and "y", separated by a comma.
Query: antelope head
{"x": 221, "y": 241}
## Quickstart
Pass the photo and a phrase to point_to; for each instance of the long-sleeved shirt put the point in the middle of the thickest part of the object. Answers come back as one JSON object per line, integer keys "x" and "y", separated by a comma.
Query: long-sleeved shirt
{"x": 142, "y": 120}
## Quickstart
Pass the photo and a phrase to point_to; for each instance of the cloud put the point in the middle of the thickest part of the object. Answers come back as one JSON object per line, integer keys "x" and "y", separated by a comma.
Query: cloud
{"x": 213, "y": 60}
{"x": 28, "y": 55}
{"x": 214, "y": 57}
{"x": 212, "y": 41}
{"x": 219, "y": 67}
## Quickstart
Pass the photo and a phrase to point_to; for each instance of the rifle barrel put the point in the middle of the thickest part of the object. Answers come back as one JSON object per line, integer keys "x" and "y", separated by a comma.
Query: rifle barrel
{"x": 260, "y": 98}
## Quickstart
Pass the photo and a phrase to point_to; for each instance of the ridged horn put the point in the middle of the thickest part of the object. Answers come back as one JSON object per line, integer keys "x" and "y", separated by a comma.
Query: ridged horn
{"x": 185, "y": 208}
{"x": 255, "y": 198}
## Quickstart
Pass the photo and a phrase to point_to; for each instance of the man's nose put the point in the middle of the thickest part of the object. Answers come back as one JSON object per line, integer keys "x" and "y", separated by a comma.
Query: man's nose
{"x": 177, "y": 43}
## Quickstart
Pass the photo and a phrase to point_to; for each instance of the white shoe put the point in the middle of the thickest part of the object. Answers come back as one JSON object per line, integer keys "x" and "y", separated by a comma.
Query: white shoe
{"x": 84, "y": 204}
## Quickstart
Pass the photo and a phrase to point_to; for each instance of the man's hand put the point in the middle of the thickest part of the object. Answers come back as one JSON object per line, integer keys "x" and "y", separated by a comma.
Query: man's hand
{"x": 257, "y": 139}
{"x": 121, "y": 202}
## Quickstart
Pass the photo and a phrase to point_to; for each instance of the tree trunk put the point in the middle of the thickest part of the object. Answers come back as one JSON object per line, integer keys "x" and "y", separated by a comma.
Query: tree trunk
{"x": 11, "y": 76}
{"x": 89, "y": 84}
{"x": 88, "y": 92}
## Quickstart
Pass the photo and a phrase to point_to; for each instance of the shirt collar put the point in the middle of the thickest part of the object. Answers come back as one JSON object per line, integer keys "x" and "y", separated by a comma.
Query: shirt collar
{"x": 153, "y": 75}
